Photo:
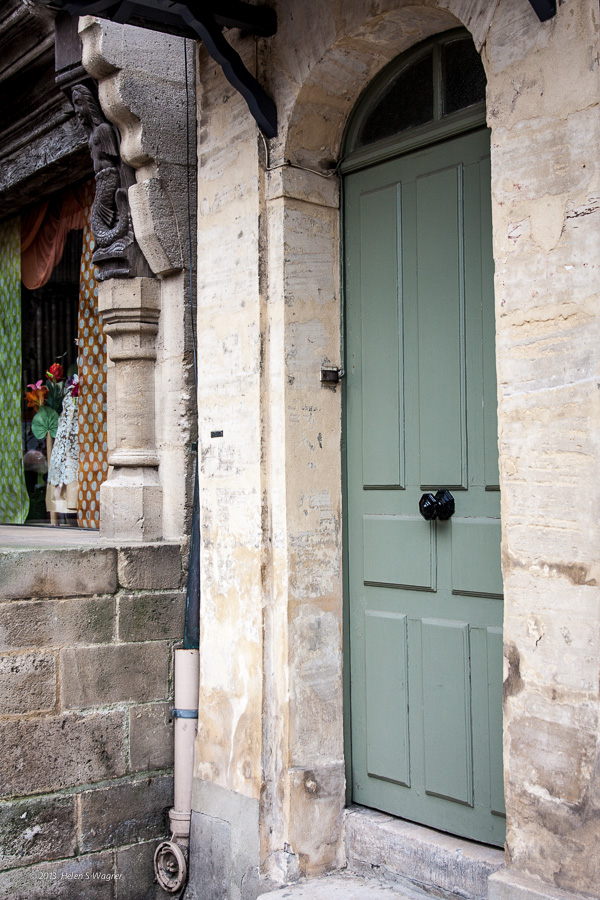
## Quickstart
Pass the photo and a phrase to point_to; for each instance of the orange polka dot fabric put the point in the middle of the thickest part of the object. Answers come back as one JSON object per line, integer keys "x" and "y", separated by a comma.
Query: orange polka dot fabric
{"x": 91, "y": 365}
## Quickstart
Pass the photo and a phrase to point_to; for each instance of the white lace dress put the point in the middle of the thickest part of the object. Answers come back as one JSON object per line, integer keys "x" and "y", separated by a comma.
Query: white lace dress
{"x": 61, "y": 490}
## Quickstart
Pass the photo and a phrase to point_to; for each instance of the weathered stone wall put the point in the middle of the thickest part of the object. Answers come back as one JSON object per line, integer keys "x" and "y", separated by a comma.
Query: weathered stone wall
{"x": 271, "y": 721}
{"x": 86, "y": 646}
{"x": 232, "y": 503}
{"x": 543, "y": 95}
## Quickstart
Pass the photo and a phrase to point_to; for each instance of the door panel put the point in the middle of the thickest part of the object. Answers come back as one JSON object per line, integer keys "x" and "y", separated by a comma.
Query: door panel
{"x": 425, "y": 598}
{"x": 495, "y": 659}
{"x": 475, "y": 557}
{"x": 447, "y": 710}
{"x": 441, "y": 367}
{"x": 383, "y": 449}
{"x": 387, "y": 661}
{"x": 414, "y": 568}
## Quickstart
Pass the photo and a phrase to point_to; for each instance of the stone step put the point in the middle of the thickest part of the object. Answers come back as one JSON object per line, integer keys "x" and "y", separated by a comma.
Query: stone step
{"x": 347, "y": 886}
{"x": 391, "y": 859}
{"x": 417, "y": 859}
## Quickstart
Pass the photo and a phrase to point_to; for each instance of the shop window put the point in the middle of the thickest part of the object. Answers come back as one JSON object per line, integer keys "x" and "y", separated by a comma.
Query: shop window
{"x": 53, "y": 452}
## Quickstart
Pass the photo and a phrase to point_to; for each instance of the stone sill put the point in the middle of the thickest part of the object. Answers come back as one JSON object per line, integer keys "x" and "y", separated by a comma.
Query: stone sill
{"x": 41, "y": 562}
{"x": 414, "y": 857}
{"x": 26, "y": 537}
{"x": 32, "y": 537}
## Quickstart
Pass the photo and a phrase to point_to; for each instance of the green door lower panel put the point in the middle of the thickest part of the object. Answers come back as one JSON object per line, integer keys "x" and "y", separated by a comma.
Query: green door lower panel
{"x": 425, "y": 598}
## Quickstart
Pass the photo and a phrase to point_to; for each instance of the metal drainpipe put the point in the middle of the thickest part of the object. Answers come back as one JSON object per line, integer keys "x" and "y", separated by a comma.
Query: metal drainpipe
{"x": 171, "y": 857}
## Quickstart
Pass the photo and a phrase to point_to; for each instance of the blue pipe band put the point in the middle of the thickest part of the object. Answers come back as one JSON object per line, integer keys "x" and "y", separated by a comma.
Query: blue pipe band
{"x": 184, "y": 713}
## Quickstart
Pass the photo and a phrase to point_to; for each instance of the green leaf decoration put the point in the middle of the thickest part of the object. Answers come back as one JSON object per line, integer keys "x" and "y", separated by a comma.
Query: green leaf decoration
{"x": 44, "y": 421}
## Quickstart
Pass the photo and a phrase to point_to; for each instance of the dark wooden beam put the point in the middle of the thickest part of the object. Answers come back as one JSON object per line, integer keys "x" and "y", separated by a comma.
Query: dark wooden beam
{"x": 259, "y": 103}
{"x": 42, "y": 145}
{"x": 202, "y": 19}
{"x": 258, "y": 20}
{"x": 544, "y": 9}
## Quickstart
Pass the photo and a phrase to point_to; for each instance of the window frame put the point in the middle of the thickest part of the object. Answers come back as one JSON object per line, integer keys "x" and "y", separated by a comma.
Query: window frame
{"x": 441, "y": 126}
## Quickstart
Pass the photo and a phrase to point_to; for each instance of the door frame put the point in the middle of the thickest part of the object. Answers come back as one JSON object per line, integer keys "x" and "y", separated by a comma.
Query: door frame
{"x": 462, "y": 122}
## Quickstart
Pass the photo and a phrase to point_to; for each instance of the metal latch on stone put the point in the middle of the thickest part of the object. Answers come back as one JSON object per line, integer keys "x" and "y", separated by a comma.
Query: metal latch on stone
{"x": 331, "y": 375}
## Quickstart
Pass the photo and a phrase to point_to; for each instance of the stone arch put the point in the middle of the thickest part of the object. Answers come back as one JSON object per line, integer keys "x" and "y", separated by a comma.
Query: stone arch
{"x": 316, "y": 119}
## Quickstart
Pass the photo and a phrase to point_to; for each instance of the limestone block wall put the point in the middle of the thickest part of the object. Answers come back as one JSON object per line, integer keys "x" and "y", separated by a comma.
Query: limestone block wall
{"x": 272, "y": 526}
{"x": 86, "y": 647}
{"x": 543, "y": 93}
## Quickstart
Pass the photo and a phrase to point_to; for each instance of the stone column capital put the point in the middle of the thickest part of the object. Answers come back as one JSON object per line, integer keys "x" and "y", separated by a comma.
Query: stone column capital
{"x": 131, "y": 300}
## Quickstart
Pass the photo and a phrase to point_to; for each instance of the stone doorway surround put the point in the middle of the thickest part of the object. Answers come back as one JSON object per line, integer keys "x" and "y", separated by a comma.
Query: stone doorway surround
{"x": 269, "y": 791}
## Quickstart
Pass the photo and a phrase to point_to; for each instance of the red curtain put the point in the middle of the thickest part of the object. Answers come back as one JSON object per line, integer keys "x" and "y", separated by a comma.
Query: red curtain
{"x": 44, "y": 232}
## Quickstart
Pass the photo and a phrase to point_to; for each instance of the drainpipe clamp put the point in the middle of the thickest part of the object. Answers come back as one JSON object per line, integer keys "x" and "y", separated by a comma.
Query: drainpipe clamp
{"x": 184, "y": 713}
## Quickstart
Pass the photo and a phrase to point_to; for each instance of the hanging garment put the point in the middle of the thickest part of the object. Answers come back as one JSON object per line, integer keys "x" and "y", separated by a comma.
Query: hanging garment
{"x": 92, "y": 366}
{"x": 61, "y": 489}
{"x": 14, "y": 501}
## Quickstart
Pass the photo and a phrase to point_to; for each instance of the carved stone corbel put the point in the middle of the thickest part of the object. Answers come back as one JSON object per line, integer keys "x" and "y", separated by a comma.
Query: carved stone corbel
{"x": 116, "y": 253}
{"x": 145, "y": 90}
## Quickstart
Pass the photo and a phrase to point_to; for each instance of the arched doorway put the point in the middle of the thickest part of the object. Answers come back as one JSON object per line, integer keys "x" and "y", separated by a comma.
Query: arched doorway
{"x": 424, "y": 585}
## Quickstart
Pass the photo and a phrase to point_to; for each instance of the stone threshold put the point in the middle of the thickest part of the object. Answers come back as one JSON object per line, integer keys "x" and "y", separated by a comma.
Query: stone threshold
{"x": 416, "y": 859}
{"x": 346, "y": 886}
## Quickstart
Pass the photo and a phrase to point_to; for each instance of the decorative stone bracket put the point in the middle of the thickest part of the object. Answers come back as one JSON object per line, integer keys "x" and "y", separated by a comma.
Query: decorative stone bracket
{"x": 116, "y": 254}
{"x": 146, "y": 90}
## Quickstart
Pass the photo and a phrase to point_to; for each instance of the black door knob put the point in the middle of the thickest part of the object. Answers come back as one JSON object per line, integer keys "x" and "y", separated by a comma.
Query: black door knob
{"x": 437, "y": 506}
{"x": 444, "y": 502}
{"x": 427, "y": 507}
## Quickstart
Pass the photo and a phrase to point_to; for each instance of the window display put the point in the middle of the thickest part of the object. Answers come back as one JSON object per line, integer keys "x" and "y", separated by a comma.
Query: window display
{"x": 52, "y": 367}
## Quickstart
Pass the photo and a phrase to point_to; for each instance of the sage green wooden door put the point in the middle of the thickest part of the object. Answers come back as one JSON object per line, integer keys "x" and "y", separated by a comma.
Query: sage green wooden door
{"x": 425, "y": 597}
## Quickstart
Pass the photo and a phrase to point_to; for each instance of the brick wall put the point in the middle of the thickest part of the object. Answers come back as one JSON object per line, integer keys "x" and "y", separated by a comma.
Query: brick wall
{"x": 86, "y": 743}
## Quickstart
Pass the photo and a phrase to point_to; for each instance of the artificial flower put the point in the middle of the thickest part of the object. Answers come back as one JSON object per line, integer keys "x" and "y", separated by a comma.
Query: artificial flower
{"x": 55, "y": 372}
{"x": 36, "y": 397}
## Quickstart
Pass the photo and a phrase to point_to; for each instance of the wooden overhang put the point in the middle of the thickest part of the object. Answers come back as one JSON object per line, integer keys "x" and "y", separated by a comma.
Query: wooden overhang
{"x": 43, "y": 146}
{"x": 203, "y": 19}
